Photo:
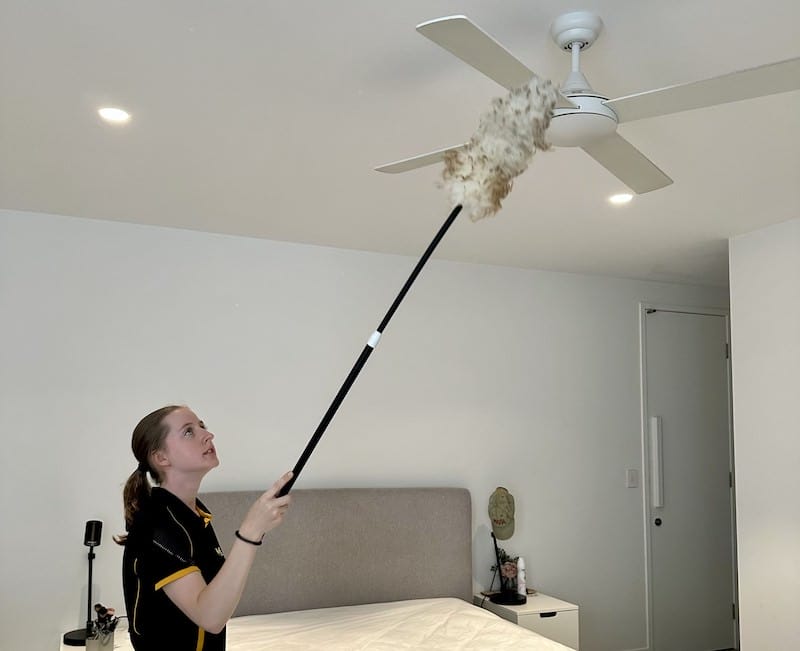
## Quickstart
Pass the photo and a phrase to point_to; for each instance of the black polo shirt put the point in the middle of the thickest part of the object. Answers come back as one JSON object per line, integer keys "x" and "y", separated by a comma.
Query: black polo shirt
{"x": 168, "y": 540}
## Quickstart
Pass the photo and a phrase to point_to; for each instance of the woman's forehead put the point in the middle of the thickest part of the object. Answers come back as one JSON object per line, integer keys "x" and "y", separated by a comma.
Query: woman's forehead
{"x": 180, "y": 417}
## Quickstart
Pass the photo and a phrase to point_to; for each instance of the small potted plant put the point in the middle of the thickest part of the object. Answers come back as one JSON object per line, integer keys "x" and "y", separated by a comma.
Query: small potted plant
{"x": 507, "y": 570}
{"x": 101, "y": 635}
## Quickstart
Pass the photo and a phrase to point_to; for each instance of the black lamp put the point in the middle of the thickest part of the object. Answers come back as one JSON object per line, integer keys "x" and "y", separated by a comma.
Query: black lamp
{"x": 501, "y": 513}
{"x": 91, "y": 538}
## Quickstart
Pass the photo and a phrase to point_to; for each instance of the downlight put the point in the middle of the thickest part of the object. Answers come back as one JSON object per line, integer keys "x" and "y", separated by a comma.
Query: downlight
{"x": 114, "y": 115}
{"x": 620, "y": 199}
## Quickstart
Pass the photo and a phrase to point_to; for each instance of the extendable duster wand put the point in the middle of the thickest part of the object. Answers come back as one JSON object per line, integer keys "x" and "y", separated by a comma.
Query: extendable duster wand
{"x": 364, "y": 356}
{"x": 478, "y": 176}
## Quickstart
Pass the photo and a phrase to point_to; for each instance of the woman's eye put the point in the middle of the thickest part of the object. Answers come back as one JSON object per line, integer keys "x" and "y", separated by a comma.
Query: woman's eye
{"x": 188, "y": 432}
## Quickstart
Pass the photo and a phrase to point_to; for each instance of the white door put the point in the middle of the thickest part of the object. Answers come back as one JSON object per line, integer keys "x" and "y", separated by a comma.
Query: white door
{"x": 690, "y": 504}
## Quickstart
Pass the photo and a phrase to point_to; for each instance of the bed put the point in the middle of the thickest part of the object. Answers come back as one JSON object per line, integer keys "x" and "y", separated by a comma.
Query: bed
{"x": 363, "y": 568}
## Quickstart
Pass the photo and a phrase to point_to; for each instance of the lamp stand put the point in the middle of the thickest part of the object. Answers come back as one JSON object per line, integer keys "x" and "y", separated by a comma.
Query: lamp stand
{"x": 79, "y": 635}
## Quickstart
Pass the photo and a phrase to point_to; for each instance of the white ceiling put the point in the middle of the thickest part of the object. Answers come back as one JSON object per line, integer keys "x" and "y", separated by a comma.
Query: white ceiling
{"x": 265, "y": 118}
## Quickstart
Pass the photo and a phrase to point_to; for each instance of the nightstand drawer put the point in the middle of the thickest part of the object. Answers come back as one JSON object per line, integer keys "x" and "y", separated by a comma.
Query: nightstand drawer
{"x": 561, "y": 626}
{"x": 553, "y": 618}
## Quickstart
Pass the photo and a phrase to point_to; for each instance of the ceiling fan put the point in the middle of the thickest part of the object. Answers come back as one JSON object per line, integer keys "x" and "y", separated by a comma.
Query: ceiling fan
{"x": 584, "y": 118}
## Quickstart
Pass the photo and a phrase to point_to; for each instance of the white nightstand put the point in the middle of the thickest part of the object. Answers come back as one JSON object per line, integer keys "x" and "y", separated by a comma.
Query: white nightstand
{"x": 546, "y": 615}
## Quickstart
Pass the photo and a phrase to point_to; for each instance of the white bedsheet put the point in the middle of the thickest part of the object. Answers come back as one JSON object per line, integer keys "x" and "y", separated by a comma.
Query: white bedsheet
{"x": 420, "y": 624}
{"x": 433, "y": 624}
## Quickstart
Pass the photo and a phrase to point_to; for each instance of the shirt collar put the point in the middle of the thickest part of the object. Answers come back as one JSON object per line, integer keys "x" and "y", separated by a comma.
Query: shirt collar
{"x": 200, "y": 509}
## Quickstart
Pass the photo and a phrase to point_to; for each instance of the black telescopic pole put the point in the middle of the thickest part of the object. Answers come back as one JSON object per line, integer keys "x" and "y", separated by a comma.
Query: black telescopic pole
{"x": 362, "y": 358}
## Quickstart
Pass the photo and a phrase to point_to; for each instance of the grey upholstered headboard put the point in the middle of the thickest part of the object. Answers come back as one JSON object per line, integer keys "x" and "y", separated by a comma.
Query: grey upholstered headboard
{"x": 340, "y": 547}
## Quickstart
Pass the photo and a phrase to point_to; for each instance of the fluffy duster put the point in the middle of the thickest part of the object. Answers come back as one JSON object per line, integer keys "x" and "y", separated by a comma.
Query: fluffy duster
{"x": 480, "y": 176}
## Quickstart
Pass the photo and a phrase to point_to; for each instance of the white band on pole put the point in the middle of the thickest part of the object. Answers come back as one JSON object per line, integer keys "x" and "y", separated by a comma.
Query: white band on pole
{"x": 373, "y": 340}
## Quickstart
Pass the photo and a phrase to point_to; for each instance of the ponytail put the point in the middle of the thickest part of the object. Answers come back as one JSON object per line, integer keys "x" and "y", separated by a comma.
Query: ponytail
{"x": 134, "y": 495}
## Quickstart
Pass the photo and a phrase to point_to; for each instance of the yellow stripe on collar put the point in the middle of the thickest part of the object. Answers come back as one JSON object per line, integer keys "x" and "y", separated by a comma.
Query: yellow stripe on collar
{"x": 207, "y": 517}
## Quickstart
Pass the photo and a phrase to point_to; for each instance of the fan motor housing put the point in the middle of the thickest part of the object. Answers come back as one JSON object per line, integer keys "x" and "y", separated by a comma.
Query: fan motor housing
{"x": 580, "y": 125}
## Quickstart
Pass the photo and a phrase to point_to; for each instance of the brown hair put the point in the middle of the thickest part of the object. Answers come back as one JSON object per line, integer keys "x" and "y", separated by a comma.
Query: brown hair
{"x": 148, "y": 437}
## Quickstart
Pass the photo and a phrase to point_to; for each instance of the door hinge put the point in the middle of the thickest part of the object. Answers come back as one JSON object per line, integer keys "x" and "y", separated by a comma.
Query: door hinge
{"x": 727, "y": 351}
{"x": 730, "y": 479}
{"x": 733, "y": 611}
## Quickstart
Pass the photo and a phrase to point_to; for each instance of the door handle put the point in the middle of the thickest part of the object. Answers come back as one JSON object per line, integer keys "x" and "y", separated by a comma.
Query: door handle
{"x": 657, "y": 522}
{"x": 656, "y": 463}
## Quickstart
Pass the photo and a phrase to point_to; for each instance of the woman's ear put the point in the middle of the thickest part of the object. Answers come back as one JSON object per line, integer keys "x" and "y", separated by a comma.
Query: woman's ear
{"x": 159, "y": 459}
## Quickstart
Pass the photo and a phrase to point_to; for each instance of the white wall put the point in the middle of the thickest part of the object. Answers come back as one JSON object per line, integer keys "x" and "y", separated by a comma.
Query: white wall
{"x": 765, "y": 341}
{"x": 486, "y": 376}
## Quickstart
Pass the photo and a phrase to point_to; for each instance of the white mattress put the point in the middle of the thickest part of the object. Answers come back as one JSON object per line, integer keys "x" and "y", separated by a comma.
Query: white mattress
{"x": 429, "y": 624}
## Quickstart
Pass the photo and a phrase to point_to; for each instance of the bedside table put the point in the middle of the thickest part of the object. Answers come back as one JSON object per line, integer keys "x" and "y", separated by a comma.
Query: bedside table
{"x": 548, "y": 616}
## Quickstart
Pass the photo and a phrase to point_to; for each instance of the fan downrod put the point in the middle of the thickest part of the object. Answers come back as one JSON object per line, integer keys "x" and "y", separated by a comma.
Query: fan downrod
{"x": 589, "y": 119}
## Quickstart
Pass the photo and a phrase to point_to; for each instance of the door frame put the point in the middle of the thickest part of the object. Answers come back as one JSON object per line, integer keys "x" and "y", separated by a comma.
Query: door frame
{"x": 644, "y": 308}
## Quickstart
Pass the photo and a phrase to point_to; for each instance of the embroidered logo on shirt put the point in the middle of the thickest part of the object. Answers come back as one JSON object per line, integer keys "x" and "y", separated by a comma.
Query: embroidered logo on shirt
{"x": 219, "y": 552}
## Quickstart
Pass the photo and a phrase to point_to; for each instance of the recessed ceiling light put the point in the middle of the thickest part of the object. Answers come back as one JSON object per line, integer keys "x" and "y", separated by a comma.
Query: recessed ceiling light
{"x": 619, "y": 199}
{"x": 114, "y": 115}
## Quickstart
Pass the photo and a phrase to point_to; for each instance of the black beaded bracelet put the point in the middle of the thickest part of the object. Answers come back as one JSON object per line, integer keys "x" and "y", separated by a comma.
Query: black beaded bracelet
{"x": 247, "y": 540}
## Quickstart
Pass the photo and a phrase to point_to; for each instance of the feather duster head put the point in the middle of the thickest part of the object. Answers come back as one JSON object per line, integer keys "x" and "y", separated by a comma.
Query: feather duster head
{"x": 480, "y": 176}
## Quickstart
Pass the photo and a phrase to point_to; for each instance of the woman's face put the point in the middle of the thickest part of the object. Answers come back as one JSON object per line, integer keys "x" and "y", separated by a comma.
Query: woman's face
{"x": 188, "y": 446}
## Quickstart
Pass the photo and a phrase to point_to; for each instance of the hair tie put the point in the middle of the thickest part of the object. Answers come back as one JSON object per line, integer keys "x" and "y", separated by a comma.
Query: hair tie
{"x": 142, "y": 467}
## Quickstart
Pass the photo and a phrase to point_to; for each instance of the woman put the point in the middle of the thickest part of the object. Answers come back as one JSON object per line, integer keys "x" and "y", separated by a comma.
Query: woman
{"x": 180, "y": 590}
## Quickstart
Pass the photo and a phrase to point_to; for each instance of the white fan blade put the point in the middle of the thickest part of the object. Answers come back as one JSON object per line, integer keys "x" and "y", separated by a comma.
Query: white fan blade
{"x": 764, "y": 80}
{"x": 463, "y": 38}
{"x": 415, "y": 162}
{"x": 627, "y": 163}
